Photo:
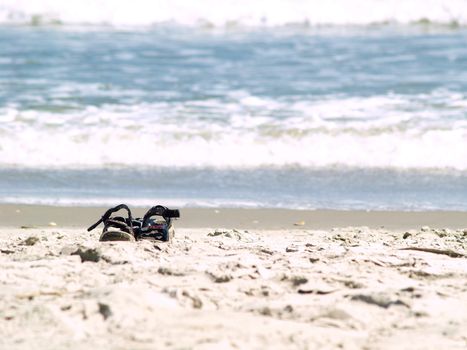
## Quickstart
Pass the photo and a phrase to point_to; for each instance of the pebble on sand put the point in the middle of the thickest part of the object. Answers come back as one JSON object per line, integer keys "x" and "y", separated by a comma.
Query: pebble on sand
{"x": 30, "y": 241}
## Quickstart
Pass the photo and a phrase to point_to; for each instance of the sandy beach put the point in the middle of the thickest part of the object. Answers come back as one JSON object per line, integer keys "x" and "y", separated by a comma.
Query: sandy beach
{"x": 302, "y": 285}
{"x": 316, "y": 151}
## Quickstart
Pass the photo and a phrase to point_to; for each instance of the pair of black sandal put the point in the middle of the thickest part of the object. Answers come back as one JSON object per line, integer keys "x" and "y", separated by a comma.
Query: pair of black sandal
{"x": 119, "y": 228}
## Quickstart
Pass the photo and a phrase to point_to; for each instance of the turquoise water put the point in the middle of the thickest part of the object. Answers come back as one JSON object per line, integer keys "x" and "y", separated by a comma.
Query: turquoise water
{"x": 304, "y": 117}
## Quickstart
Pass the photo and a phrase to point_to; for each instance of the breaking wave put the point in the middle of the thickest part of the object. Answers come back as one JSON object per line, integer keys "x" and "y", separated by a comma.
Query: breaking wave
{"x": 233, "y": 13}
{"x": 244, "y": 132}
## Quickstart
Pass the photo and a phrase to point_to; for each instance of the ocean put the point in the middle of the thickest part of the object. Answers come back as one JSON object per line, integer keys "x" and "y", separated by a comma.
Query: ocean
{"x": 358, "y": 104}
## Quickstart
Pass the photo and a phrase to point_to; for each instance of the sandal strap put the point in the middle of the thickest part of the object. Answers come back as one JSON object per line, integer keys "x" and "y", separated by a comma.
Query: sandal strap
{"x": 160, "y": 210}
{"x": 109, "y": 212}
{"x": 122, "y": 225}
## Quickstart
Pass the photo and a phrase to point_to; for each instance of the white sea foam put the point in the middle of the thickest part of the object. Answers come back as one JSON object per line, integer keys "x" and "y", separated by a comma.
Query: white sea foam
{"x": 137, "y": 202}
{"x": 244, "y": 132}
{"x": 232, "y": 12}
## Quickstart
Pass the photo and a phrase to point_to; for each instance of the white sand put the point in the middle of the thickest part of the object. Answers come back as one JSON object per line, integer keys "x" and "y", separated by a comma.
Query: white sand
{"x": 340, "y": 289}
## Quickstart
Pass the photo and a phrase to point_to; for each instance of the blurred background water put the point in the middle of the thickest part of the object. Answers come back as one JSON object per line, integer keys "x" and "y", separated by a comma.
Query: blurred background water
{"x": 358, "y": 105}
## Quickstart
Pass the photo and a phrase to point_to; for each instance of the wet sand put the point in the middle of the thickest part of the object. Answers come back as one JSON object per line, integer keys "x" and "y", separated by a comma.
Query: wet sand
{"x": 12, "y": 215}
{"x": 232, "y": 285}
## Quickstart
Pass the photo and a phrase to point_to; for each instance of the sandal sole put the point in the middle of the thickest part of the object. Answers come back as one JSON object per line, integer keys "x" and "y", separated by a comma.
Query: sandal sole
{"x": 110, "y": 236}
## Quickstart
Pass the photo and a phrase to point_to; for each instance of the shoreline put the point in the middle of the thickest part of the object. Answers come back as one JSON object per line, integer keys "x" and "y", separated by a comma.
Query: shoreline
{"x": 34, "y": 216}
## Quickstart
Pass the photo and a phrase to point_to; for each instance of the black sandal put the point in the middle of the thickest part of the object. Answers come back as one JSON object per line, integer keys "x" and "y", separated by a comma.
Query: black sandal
{"x": 117, "y": 228}
{"x": 157, "y": 229}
